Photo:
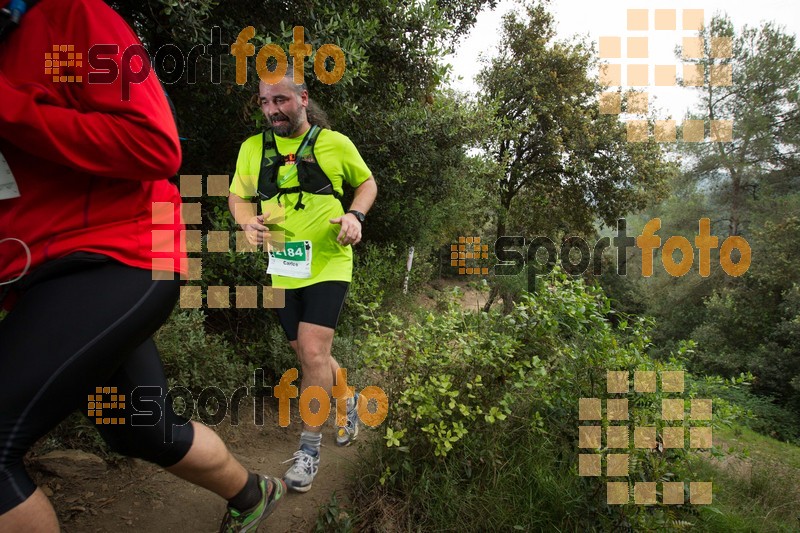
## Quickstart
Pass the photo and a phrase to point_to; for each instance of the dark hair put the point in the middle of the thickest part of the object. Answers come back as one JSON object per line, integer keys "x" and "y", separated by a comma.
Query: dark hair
{"x": 316, "y": 115}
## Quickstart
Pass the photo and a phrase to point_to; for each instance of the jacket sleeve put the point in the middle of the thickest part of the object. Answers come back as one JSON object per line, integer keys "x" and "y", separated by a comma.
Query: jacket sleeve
{"x": 90, "y": 126}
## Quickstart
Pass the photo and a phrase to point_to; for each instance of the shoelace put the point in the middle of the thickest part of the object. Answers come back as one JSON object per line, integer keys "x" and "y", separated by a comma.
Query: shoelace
{"x": 230, "y": 520}
{"x": 302, "y": 460}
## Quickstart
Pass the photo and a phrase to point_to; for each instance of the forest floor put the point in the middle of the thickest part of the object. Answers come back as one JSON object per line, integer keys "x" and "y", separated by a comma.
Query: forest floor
{"x": 92, "y": 495}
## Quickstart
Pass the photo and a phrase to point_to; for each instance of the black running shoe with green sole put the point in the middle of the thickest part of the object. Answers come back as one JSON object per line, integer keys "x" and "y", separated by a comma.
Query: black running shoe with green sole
{"x": 242, "y": 521}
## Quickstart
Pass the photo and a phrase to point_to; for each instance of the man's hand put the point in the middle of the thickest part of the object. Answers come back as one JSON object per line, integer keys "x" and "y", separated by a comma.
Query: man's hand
{"x": 256, "y": 231}
{"x": 351, "y": 229}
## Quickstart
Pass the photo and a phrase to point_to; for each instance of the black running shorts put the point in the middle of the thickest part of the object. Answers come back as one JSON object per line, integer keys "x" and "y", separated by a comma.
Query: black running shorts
{"x": 319, "y": 304}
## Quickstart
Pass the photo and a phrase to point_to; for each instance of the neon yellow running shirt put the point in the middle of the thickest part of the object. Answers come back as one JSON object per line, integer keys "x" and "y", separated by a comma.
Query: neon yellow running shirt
{"x": 341, "y": 162}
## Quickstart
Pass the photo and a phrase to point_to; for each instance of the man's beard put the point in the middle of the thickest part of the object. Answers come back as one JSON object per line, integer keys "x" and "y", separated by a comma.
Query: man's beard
{"x": 287, "y": 128}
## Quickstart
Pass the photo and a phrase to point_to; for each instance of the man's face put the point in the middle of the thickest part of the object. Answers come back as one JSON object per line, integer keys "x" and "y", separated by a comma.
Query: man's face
{"x": 284, "y": 107}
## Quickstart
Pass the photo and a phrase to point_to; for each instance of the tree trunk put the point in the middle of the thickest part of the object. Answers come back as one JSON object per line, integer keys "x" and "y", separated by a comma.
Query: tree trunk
{"x": 501, "y": 229}
{"x": 508, "y": 299}
{"x": 492, "y": 295}
{"x": 508, "y": 303}
{"x": 733, "y": 225}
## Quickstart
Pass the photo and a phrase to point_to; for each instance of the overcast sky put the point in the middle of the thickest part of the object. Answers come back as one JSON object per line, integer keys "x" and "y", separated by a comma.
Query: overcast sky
{"x": 595, "y": 18}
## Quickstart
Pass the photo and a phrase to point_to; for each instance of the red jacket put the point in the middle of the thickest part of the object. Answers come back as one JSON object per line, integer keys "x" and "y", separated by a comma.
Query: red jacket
{"x": 88, "y": 163}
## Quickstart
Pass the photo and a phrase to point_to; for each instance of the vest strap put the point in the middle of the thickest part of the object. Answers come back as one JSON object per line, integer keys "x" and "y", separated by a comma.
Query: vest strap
{"x": 312, "y": 178}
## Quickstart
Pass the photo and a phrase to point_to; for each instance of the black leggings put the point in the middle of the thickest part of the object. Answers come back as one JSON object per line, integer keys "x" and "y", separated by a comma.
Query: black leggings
{"x": 74, "y": 330}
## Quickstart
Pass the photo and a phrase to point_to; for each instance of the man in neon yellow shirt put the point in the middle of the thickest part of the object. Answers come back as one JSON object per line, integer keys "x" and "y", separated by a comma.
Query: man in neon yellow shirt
{"x": 297, "y": 170}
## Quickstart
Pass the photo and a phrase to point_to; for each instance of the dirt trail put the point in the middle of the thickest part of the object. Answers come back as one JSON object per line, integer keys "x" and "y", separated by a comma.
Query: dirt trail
{"x": 138, "y": 496}
{"x": 471, "y": 299}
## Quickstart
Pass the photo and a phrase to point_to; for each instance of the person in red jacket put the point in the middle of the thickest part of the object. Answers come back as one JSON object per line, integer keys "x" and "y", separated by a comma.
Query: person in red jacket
{"x": 84, "y": 161}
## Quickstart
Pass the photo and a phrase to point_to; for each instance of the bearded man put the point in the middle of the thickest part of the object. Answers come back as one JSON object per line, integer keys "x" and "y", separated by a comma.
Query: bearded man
{"x": 297, "y": 171}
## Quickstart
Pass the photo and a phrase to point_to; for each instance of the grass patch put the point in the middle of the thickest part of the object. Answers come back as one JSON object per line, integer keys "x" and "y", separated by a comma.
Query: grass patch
{"x": 745, "y": 441}
{"x": 755, "y": 486}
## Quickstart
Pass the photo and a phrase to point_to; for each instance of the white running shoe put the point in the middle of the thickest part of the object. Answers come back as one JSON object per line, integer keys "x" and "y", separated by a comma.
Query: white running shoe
{"x": 300, "y": 476}
{"x": 346, "y": 434}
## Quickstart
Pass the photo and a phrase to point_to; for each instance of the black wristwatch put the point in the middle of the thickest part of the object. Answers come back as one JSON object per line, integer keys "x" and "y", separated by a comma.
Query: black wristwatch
{"x": 359, "y": 215}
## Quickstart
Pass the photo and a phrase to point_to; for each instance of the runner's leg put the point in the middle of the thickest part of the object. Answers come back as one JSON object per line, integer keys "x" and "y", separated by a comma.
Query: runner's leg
{"x": 65, "y": 336}
{"x": 189, "y": 450}
{"x": 318, "y": 309}
{"x": 314, "y": 343}
{"x": 95, "y": 319}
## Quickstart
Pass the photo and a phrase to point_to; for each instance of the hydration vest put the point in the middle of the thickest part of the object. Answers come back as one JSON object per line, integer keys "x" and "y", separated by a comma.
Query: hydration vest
{"x": 11, "y": 15}
{"x": 312, "y": 178}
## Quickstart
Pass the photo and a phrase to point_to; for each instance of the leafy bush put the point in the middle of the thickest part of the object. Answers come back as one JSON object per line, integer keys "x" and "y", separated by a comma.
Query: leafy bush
{"x": 196, "y": 359}
{"x": 484, "y": 413}
{"x": 242, "y": 327}
{"x": 762, "y": 414}
{"x": 378, "y": 275}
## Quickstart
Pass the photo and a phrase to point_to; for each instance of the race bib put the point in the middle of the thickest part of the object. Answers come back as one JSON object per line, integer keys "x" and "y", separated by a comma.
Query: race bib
{"x": 294, "y": 261}
{"x": 8, "y": 185}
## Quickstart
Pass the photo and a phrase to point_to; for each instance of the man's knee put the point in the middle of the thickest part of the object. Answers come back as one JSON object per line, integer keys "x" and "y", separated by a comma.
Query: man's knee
{"x": 314, "y": 354}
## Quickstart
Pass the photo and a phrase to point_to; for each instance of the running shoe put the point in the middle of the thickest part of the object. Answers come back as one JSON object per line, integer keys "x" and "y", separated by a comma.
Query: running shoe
{"x": 346, "y": 434}
{"x": 241, "y": 521}
{"x": 306, "y": 463}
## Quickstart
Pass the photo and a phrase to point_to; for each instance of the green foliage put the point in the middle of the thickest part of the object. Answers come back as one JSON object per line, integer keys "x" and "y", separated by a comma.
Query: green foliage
{"x": 676, "y": 304}
{"x": 334, "y": 518}
{"x": 747, "y": 324}
{"x": 378, "y": 273}
{"x": 562, "y": 163}
{"x": 764, "y": 103}
{"x": 755, "y": 486}
{"x": 196, "y": 359}
{"x": 483, "y": 412}
{"x": 244, "y": 328}
{"x": 740, "y": 325}
{"x": 429, "y": 189}
{"x": 273, "y": 353}
{"x": 762, "y": 414}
